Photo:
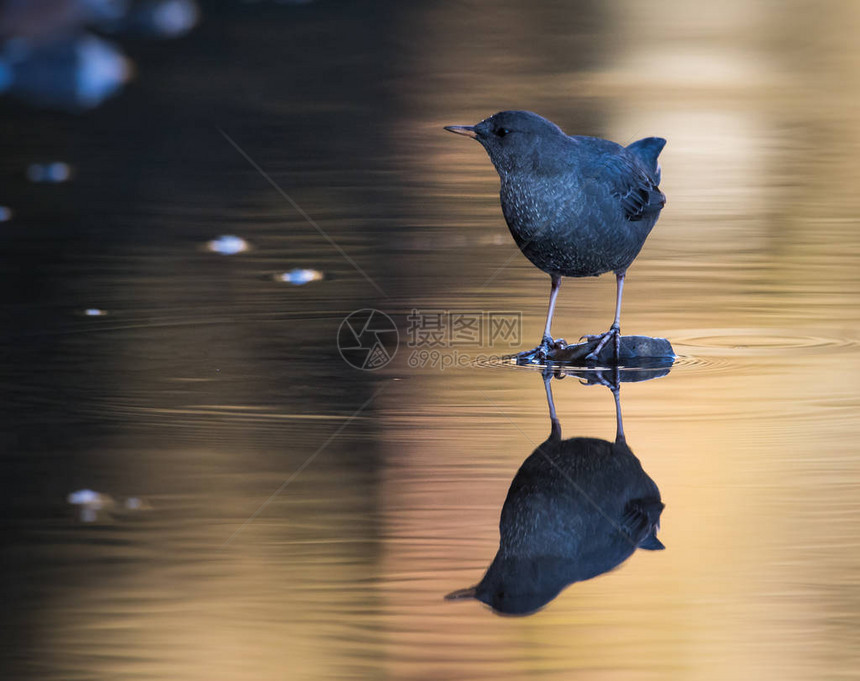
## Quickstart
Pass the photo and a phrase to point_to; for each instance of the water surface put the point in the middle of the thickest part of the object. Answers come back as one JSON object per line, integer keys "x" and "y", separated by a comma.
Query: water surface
{"x": 209, "y": 384}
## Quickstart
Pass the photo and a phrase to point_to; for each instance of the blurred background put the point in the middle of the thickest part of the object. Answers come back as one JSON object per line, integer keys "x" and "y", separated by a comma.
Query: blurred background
{"x": 193, "y": 197}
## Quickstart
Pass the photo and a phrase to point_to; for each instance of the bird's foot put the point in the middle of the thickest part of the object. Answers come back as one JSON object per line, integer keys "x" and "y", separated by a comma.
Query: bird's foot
{"x": 614, "y": 334}
{"x": 552, "y": 371}
{"x": 547, "y": 345}
{"x": 542, "y": 351}
{"x": 599, "y": 377}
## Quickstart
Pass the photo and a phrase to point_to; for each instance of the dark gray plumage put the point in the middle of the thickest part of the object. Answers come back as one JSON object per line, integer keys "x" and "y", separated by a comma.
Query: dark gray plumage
{"x": 575, "y": 509}
{"x": 576, "y": 206}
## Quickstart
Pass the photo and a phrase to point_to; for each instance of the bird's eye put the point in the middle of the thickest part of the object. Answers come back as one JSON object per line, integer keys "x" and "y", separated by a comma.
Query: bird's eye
{"x": 501, "y": 132}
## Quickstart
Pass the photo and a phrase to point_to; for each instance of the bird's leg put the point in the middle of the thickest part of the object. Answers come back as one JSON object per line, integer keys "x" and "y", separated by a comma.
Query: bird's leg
{"x": 547, "y": 343}
{"x": 615, "y": 387}
{"x": 598, "y": 376}
{"x": 555, "y": 432}
{"x": 615, "y": 330}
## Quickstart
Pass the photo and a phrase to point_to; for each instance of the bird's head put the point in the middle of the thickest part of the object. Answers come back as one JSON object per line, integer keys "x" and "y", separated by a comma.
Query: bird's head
{"x": 517, "y": 586}
{"x": 514, "y": 139}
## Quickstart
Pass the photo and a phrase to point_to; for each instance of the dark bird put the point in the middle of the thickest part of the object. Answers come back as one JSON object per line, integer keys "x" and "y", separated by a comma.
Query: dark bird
{"x": 576, "y": 206}
{"x": 575, "y": 509}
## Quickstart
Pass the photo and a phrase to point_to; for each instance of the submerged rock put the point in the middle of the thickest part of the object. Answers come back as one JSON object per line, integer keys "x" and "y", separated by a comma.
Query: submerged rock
{"x": 640, "y": 351}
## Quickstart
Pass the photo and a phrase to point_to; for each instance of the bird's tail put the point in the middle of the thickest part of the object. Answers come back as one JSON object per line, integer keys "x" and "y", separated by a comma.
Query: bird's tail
{"x": 646, "y": 152}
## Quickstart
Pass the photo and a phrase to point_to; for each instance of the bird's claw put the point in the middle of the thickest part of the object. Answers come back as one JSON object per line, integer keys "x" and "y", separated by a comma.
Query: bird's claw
{"x": 599, "y": 378}
{"x": 553, "y": 343}
{"x": 552, "y": 371}
{"x": 613, "y": 333}
{"x": 541, "y": 352}
{"x": 548, "y": 345}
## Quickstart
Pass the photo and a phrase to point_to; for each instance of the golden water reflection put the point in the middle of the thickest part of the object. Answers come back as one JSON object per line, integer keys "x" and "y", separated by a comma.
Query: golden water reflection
{"x": 209, "y": 388}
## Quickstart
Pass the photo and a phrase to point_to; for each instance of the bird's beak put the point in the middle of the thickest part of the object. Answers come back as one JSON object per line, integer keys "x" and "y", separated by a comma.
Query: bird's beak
{"x": 467, "y": 130}
{"x": 461, "y": 594}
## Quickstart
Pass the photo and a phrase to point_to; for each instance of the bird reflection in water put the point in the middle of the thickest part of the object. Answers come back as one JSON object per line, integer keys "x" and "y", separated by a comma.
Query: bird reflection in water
{"x": 576, "y": 508}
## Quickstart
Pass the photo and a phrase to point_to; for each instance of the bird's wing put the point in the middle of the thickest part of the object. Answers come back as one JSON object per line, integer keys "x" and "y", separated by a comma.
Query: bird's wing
{"x": 640, "y": 518}
{"x": 637, "y": 194}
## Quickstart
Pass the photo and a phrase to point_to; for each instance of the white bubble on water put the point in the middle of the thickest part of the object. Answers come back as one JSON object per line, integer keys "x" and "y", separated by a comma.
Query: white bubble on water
{"x": 54, "y": 172}
{"x": 172, "y": 18}
{"x": 103, "y": 70}
{"x": 90, "y": 503}
{"x": 228, "y": 244}
{"x": 299, "y": 276}
{"x": 84, "y": 497}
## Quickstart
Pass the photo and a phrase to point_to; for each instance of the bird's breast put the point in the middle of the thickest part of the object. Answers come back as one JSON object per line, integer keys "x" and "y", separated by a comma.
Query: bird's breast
{"x": 564, "y": 229}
